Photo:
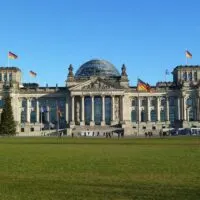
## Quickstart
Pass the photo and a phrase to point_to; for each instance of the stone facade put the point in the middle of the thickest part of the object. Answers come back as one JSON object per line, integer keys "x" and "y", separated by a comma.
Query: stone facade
{"x": 104, "y": 102}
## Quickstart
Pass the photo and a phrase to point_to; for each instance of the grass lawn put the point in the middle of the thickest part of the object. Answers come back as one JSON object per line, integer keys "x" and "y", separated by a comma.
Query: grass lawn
{"x": 91, "y": 168}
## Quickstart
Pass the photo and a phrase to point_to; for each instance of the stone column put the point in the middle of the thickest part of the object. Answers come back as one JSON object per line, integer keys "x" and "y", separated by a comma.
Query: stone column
{"x": 184, "y": 109}
{"x": 113, "y": 108}
{"x": 121, "y": 108}
{"x": 167, "y": 109}
{"x": 103, "y": 111}
{"x": 138, "y": 110}
{"x": 198, "y": 108}
{"x": 158, "y": 109}
{"x": 19, "y": 110}
{"x": 82, "y": 110}
{"x": 67, "y": 109}
{"x": 47, "y": 114}
{"x": 28, "y": 110}
{"x": 37, "y": 111}
{"x": 113, "y": 111}
{"x": 92, "y": 111}
{"x": 178, "y": 109}
{"x": 72, "y": 109}
{"x": 148, "y": 110}
{"x": 187, "y": 114}
{"x": 7, "y": 77}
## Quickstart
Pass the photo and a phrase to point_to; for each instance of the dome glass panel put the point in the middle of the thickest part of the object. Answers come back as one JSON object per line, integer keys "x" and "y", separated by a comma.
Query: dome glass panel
{"x": 97, "y": 68}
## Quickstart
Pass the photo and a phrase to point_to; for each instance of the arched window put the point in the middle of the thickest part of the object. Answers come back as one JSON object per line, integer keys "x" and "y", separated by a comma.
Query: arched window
{"x": 162, "y": 115}
{"x": 153, "y": 115}
{"x": 189, "y": 102}
{"x": 0, "y": 76}
{"x": 133, "y": 116}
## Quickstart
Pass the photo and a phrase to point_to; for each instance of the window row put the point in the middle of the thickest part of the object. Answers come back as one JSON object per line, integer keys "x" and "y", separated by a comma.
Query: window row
{"x": 172, "y": 102}
{"x": 189, "y": 76}
{"x": 6, "y": 76}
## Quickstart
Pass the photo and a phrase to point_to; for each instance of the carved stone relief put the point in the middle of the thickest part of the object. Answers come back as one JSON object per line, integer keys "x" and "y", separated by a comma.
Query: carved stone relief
{"x": 97, "y": 85}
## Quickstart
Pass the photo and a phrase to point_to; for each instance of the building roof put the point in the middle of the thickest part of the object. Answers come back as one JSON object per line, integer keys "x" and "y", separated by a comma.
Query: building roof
{"x": 97, "y": 68}
{"x": 186, "y": 67}
{"x": 10, "y": 68}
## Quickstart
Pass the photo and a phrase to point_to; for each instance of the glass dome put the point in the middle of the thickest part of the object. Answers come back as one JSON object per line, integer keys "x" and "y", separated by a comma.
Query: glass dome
{"x": 97, "y": 68}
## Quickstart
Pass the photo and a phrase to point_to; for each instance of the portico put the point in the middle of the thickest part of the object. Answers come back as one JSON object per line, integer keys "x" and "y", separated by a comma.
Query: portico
{"x": 96, "y": 109}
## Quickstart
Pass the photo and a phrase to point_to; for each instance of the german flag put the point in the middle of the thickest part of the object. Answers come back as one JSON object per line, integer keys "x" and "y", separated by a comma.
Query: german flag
{"x": 142, "y": 86}
{"x": 188, "y": 54}
{"x": 32, "y": 73}
{"x": 12, "y": 55}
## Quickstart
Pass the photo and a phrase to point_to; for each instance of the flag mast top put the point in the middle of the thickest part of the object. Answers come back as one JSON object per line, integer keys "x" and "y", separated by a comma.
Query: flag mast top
{"x": 187, "y": 55}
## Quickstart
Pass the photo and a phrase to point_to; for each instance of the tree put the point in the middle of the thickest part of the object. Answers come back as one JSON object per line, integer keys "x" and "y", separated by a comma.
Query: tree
{"x": 7, "y": 124}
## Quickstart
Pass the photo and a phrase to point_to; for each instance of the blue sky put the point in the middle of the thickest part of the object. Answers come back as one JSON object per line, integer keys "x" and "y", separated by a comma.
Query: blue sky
{"x": 147, "y": 36}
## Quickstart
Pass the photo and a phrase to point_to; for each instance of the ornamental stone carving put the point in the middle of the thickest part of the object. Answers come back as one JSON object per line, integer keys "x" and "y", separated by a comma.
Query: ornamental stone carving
{"x": 124, "y": 70}
{"x": 98, "y": 85}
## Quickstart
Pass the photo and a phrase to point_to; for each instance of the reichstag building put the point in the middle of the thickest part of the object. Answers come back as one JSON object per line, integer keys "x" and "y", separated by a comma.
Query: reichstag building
{"x": 98, "y": 98}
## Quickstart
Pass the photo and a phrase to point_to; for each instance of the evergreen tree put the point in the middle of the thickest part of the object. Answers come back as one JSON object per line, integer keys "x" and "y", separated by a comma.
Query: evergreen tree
{"x": 7, "y": 124}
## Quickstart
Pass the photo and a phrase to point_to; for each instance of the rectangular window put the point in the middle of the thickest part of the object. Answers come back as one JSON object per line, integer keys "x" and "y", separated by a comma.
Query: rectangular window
{"x": 171, "y": 101}
{"x": 1, "y": 103}
{"x": 10, "y": 76}
{"x": 143, "y": 102}
{"x": 5, "y": 77}
{"x": 195, "y": 76}
{"x": 153, "y": 102}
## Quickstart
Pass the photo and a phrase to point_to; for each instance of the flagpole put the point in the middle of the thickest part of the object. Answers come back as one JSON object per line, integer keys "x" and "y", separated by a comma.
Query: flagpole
{"x": 138, "y": 103}
{"x": 57, "y": 116}
{"x": 138, "y": 114}
{"x": 8, "y": 61}
{"x": 40, "y": 118}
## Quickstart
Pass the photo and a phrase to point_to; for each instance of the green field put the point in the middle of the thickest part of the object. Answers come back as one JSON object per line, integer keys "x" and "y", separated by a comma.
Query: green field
{"x": 91, "y": 168}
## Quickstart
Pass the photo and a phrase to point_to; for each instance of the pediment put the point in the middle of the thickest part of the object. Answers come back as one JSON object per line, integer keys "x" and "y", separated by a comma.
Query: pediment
{"x": 95, "y": 84}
